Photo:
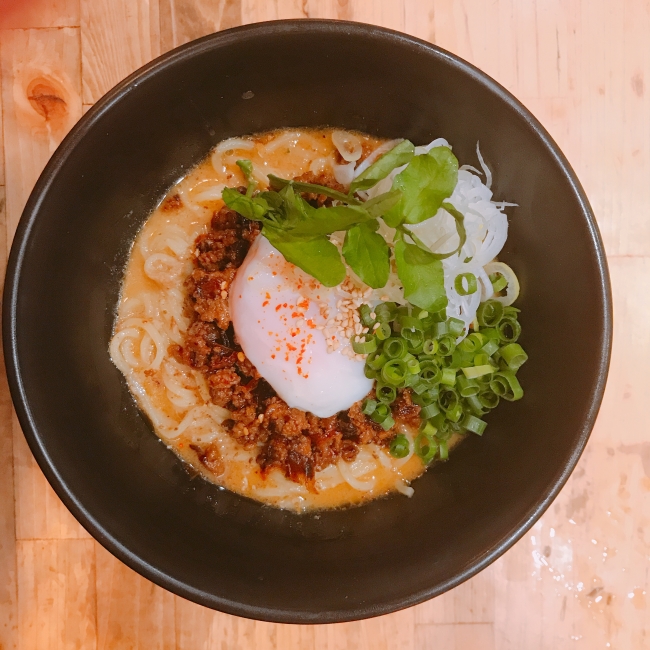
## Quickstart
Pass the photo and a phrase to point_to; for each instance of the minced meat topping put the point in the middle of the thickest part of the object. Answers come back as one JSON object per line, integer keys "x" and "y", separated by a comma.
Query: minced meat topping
{"x": 289, "y": 439}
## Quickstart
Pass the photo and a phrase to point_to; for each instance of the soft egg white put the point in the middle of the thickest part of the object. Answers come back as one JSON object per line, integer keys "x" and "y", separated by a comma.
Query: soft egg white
{"x": 275, "y": 310}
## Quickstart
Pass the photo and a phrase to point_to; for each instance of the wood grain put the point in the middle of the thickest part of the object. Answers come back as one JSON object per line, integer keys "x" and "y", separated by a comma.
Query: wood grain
{"x": 56, "y": 594}
{"x": 107, "y": 61}
{"x": 184, "y": 20}
{"x": 579, "y": 579}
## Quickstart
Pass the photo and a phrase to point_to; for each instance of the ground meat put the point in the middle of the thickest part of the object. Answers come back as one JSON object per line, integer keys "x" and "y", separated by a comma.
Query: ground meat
{"x": 210, "y": 457}
{"x": 295, "y": 442}
{"x": 172, "y": 203}
{"x": 404, "y": 410}
{"x": 325, "y": 178}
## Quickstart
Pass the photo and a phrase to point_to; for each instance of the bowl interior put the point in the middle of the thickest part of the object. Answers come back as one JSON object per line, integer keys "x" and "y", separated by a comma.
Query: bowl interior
{"x": 99, "y": 452}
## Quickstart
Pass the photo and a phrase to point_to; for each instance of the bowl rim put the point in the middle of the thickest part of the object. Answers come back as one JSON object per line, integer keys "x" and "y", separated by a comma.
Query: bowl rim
{"x": 20, "y": 244}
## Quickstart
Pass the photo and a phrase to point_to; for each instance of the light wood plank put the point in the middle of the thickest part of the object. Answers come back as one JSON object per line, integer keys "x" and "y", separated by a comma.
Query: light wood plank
{"x": 41, "y": 94}
{"x": 25, "y": 14}
{"x": 39, "y": 511}
{"x": 56, "y": 594}
{"x": 2, "y": 149}
{"x": 254, "y": 11}
{"x": 41, "y": 101}
{"x": 117, "y": 37}
{"x": 8, "y": 617}
{"x": 582, "y": 567}
{"x": 184, "y": 20}
{"x": 455, "y": 637}
{"x": 131, "y": 611}
{"x": 198, "y": 627}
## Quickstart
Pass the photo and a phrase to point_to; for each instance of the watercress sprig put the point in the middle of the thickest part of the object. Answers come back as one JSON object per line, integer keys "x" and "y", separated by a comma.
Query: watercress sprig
{"x": 301, "y": 231}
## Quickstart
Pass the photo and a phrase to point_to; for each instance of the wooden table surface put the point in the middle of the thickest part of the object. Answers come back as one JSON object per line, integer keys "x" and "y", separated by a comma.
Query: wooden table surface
{"x": 579, "y": 578}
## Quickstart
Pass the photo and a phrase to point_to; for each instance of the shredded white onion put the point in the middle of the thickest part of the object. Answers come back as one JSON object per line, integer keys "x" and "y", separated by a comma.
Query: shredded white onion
{"x": 486, "y": 227}
{"x": 484, "y": 167}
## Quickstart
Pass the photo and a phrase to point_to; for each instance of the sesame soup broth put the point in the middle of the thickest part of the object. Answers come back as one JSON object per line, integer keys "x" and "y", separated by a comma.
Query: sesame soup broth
{"x": 152, "y": 320}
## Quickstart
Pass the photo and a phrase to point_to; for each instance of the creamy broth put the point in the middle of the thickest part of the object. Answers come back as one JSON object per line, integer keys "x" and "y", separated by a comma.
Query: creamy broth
{"x": 151, "y": 317}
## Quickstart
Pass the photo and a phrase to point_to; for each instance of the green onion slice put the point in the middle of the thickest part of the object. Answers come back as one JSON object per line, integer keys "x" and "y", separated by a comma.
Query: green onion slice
{"x": 472, "y": 343}
{"x": 448, "y": 399}
{"x": 506, "y": 385}
{"x": 488, "y": 399}
{"x": 474, "y": 424}
{"x": 364, "y": 347}
{"x": 513, "y": 354}
{"x": 395, "y": 348}
{"x": 465, "y": 284}
{"x": 490, "y": 347}
{"x": 400, "y": 446}
{"x": 376, "y": 360}
{"x": 386, "y": 393}
{"x": 368, "y": 407}
{"x": 509, "y": 329}
{"x": 364, "y": 315}
{"x": 474, "y": 372}
{"x": 444, "y": 449}
{"x": 394, "y": 372}
{"x": 386, "y": 311}
{"x": 429, "y": 411}
{"x": 489, "y": 313}
{"x": 446, "y": 345}
{"x": 499, "y": 282}
{"x": 475, "y": 405}
{"x": 467, "y": 387}
{"x": 426, "y": 447}
{"x": 383, "y": 332}
{"x": 448, "y": 376}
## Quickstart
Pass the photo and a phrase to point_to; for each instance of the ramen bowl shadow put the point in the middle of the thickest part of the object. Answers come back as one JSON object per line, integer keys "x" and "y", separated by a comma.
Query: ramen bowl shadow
{"x": 99, "y": 452}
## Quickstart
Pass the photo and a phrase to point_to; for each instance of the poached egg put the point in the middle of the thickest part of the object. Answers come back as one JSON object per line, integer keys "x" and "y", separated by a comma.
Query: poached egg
{"x": 276, "y": 310}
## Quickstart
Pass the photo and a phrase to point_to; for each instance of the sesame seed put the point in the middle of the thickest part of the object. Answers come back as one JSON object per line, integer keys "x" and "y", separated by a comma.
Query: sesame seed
{"x": 260, "y": 417}
{"x": 240, "y": 356}
{"x": 224, "y": 295}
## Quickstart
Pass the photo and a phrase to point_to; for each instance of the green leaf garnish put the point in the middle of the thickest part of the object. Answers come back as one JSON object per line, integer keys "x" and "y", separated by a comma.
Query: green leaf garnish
{"x": 399, "y": 155}
{"x": 421, "y": 275}
{"x": 252, "y": 208}
{"x": 246, "y": 167}
{"x": 316, "y": 256}
{"x": 368, "y": 254}
{"x": 300, "y": 231}
{"x": 382, "y": 203}
{"x": 325, "y": 221}
{"x": 428, "y": 180}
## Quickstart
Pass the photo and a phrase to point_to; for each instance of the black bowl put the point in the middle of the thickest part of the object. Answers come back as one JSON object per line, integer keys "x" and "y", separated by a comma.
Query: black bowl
{"x": 99, "y": 452}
